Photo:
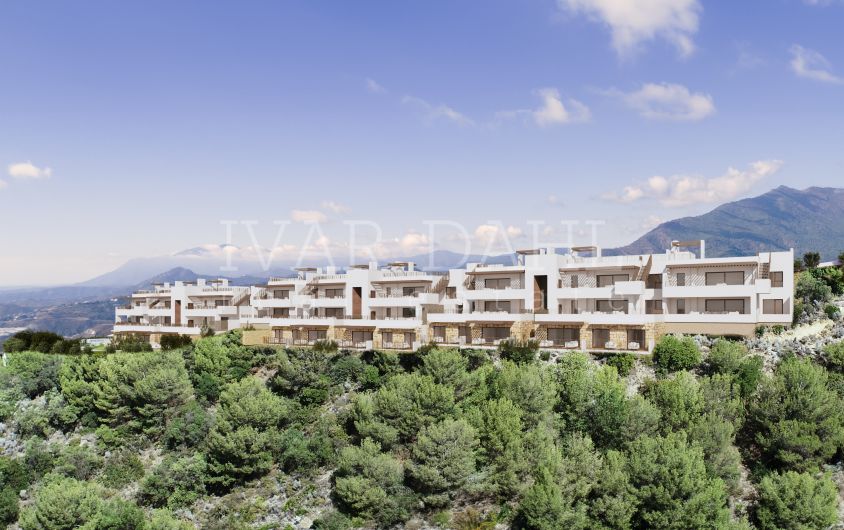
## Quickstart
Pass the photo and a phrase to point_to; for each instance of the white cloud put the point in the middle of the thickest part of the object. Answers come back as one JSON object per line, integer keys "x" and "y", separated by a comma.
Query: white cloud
{"x": 667, "y": 101}
{"x": 681, "y": 190}
{"x": 554, "y": 112}
{"x": 633, "y": 22}
{"x": 812, "y": 65}
{"x": 373, "y": 86}
{"x": 27, "y": 170}
{"x": 335, "y": 207}
{"x": 3, "y": 184}
{"x": 308, "y": 216}
{"x": 434, "y": 112}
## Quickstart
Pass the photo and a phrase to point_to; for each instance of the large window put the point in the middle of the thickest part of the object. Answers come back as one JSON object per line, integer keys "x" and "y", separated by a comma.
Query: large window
{"x": 361, "y": 336}
{"x": 653, "y": 307}
{"x": 574, "y": 281}
{"x": 600, "y": 337}
{"x": 439, "y": 333}
{"x": 497, "y": 283}
{"x": 680, "y": 278}
{"x": 411, "y": 291}
{"x": 334, "y": 293}
{"x": 606, "y": 280}
{"x": 495, "y": 333}
{"x": 498, "y": 306}
{"x": 776, "y": 278}
{"x": 681, "y": 306}
{"x": 772, "y": 307}
{"x": 727, "y": 305}
{"x": 281, "y": 312}
{"x": 725, "y": 278}
{"x": 408, "y": 312}
{"x": 637, "y": 336}
{"x": 611, "y": 306}
{"x": 281, "y": 294}
{"x": 316, "y": 334}
{"x": 334, "y": 312}
{"x": 560, "y": 336}
{"x": 654, "y": 281}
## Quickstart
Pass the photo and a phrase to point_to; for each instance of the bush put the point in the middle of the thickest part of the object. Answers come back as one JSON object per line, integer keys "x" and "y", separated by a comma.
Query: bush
{"x": 832, "y": 311}
{"x": 796, "y": 420}
{"x": 760, "y": 330}
{"x": 676, "y": 353}
{"x": 623, "y": 362}
{"x": 214, "y": 362}
{"x": 833, "y": 355}
{"x": 129, "y": 344}
{"x": 188, "y": 427}
{"x": 122, "y": 468}
{"x": 176, "y": 482}
{"x": 443, "y": 458}
{"x": 13, "y": 479}
{"x": 38, "y": 341}
{"x": 809, "y": 289}
{"x": 519, "y": 351}
{"x": 172, "y": 342}
{"x": 325, "y": 346}
{"x": 31, "y": 373}
{"x": 796, "y": 500}
{"x": 78, "y": 461}
{"x": 777, "y": 329}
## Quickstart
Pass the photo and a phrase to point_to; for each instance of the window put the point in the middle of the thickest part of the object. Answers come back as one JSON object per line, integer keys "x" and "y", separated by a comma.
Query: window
{"x": 334, "y": 293}
{"x": 728, "y": 305}
{"x": 386, "y": 337}
{"x": 725, "y": 278}
{"x": 637, "y": 336}
{"x": 681, "y": 279}
{"x": 408, "y": 312}
{"x": 281, "y": 312}
{"x": 451, "y": 292}
{"x": 497, "y": 283}
{"x": 574, "y": 309}
{"x": 497, "y": 333}
{"x": 463, "y": 331}
{"x": 776, "y": 278}
{"x": 606, "y": 280}
{"x": 681, "y": 306}
{"x": 316, "y": 334}
{"x": 574, "y": 281}
{"x": 359, "y": 337}
{"x": 772, "y": 307}
{"x": 498, "y": 306}
{"x": 611, "y": 306}
{"x": 281, "y": 295}
{"x": 560, "y": 336}
{"x": 410, "y": 291}
{"x": 600, "y": 337}
{"x": 654, "y": 281}
{"x": 439, "y": 333}
{"x": 653, "y": 307}
{"x": 334, "y": 312}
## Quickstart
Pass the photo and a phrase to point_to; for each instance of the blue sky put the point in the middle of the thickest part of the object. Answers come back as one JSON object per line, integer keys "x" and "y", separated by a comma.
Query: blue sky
{"x": 134, "y": 128}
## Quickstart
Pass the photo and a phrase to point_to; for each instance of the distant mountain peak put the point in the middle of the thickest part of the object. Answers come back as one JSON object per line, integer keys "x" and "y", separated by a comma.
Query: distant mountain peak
{"x": 783, "y": 218}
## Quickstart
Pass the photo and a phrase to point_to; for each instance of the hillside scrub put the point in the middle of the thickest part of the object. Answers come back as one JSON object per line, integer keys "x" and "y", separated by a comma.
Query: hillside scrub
{"x": 213, "y": 434}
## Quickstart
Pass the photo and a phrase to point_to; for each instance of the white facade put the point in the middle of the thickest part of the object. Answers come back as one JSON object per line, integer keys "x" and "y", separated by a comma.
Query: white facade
{"x": 581, "y": 299}
{"x": 184, "y": 308}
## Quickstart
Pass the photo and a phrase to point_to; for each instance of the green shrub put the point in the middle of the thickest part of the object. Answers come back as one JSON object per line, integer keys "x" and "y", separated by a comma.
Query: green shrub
{"x": 623, "y": 362}
{"x": 30, "y": 372}
{"x": 78, "y": 461}
{"x": 122, "y": 468}
{"x": 325, "y": 346}
{"x": 519, "y": 351}
{"x": 676, "y": 353}
{"x": 172, "y": 342}
{"x": 176, "y": 482}
{"x": 332, "y": 521}
{"x": 796, "y": 500}
{"x": 13, "y": 479}
{"x": 760, "y": 330}
{"x": 833, "y": 355}
{"x": 188, "y": 428}
{"x": 777, "y": 329}
{"x": 796, "y": 420}
{"x": 832, "y": 311}
{"x": 129, "y": 344}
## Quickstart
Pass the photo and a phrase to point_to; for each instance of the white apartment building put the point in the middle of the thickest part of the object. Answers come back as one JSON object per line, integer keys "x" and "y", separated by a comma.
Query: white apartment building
{"x": 184, "y": 308}
{"x": 578, "y": 300}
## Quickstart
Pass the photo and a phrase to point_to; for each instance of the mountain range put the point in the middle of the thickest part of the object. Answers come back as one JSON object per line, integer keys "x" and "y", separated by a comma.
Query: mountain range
{"x": 807, "y": 220}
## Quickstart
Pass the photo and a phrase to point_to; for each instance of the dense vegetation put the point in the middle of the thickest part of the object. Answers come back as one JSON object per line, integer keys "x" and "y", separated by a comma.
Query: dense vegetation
{"x": 462, "y": 439}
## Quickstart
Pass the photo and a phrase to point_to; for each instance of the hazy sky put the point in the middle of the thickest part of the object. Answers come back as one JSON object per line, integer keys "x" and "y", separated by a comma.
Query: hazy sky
{"x": 134, "y": 128}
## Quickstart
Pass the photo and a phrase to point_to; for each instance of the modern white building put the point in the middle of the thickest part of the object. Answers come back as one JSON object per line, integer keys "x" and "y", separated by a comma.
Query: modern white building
{"x": 578, "y": 300}
{"x": 184, "y": 308}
